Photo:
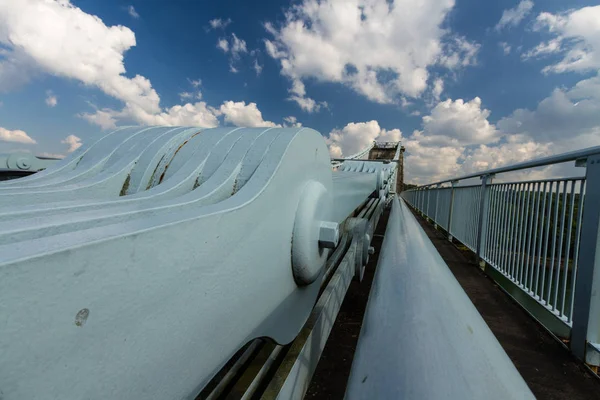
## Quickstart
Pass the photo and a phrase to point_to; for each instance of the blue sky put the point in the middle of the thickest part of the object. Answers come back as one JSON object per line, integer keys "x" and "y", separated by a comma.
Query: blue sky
{"x": 464, "y": 84}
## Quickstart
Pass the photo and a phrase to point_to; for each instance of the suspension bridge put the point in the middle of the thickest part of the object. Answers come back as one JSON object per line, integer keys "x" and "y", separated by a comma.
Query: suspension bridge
{"x": 229, "y": 263}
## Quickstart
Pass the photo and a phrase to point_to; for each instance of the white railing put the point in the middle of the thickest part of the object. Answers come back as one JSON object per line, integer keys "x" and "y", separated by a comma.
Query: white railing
{"x": 537, "y": 233}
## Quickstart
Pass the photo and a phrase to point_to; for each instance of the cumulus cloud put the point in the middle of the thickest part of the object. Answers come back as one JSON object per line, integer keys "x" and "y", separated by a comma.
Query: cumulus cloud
{"x": 576, "y": 36}
{"x": 28, "y": 33}
{"x": 458, "y": 123}
{"x": 219, "y": 23}
{"x": 457, "y": 139}
{"x": 570, "y": 115}
{"x": 514, "y": 16}
{"x": 51, "y": 99}
{"x": 380, "y": 49}
{"x": 242, "y": 114}
{"x": 17, "y": 136}
{"x": 356, "y": 136}
{"x": 505, "y": 48}
{"x": 73, "y": 142}
{"x": 132, "y": 12}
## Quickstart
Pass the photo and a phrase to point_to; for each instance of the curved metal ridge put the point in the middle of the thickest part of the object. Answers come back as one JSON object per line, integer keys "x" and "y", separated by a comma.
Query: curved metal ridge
{"x": 141, "y": 263}
{"x": 421, "y": 337}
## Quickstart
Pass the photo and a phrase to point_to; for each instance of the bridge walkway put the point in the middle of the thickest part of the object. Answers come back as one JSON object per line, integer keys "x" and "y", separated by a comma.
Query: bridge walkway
{"x": 548, "y": 368}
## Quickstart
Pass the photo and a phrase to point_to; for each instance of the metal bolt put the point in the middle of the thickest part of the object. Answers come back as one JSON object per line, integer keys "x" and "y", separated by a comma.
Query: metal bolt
{"x": 329, "y": 234}
{"x": 23, "y": 163}
{"x": 371, "y": 250}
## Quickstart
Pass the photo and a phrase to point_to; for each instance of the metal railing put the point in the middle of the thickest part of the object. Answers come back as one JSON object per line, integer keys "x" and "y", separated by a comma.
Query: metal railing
{"x": 537, "y": 233}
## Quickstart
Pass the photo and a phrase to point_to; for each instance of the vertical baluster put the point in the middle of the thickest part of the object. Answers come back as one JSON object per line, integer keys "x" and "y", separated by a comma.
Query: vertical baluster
{"x": 512, "y": 228}
{"x": 533, "y": 237}
{"x": 551, "y": 284}
{"x": 538, "y": 261}
{"x": 502, "y": 233}
{"x": 546, "y": 244}
{"x": 451, "y": 212}
{"x": 577, "y": 244}
{"x": 525, "y": 234}
{"x": 487, "y": 251}
{"x": 568, "y": 244}
{"x": 560, "y": 244}
{"x": 519, "y": 229}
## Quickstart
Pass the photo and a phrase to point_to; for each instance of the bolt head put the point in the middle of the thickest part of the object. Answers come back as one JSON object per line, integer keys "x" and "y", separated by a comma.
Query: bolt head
{"x": 329, "y": 234}
{"x": 23, "y": 163}
{"x": 371, "y": 250}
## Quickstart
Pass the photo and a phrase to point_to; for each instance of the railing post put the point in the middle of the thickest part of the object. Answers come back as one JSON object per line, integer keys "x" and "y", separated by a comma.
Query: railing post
{"x": 450, "y": 237}
{"x": 483, "y": 217}
{"x": 585, "y": 332}
{"x": 437, "y": 199}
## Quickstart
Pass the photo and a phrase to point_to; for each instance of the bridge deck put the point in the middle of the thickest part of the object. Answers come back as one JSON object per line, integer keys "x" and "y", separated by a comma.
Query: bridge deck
{"x": 548, "y": 368}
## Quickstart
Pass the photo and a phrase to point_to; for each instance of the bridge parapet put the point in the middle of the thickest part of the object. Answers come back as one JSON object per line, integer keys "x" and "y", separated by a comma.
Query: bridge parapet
{"x": 542, "y": 235}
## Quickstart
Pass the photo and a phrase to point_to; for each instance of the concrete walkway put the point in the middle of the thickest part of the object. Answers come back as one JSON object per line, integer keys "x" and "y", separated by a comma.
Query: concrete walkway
{"x": 548, "y": 368}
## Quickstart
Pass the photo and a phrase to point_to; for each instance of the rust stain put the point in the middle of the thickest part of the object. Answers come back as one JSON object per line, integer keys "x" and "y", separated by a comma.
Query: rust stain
{"x": 125, "y": 186}
{"x": 162, "y": 176}
{"x": 82, "y": 316}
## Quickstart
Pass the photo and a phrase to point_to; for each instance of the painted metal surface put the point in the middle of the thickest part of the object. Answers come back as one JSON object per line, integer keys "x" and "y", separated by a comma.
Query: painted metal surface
{"x": 118, "y": 262}
{"x": 155, "y": 286}
{"x": 25, "y": 162}
{"x": 422, "y": 338}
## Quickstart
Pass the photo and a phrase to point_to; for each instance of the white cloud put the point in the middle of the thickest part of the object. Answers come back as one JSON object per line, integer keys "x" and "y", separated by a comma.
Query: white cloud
{"x": 238, "y": 46}
{"x": 132, "y": 12}
{"x": 458, "y": 123}
{"x": 242, "y": 114}
{"x": 514, "y": 16}
{"x": 577, "y": 35}
{"x": 73, "y": 142}
{"x": 542, "y": 49}
{"x": 257, "y": 67}
{"x": 235, "y": 47}
{"x": 381, "y": 49}
{"x": 51, "y": 99}
{"x": 438, "y": 88}
{"x": 195, "y": 82}
{"x": 105, "y": 118}
{"x": 505, "y": 48}
{"x": 223, "y": 44}
{"x": 457, "y": 139}
{"x": 356, "y": 136}
{"x": 28, "y": 32}
{"x": 291, "y": 121}
{"x": 569, "y": 116}
{"x": 219, "y": 23}
{"x": 17, "y": 136}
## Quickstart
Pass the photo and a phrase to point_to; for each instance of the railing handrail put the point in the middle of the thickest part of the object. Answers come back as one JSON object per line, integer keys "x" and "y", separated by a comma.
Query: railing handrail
{"x": 540, "y": 162}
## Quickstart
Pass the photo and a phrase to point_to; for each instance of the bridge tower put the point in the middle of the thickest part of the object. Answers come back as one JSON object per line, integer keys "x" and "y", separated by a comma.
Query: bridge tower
{"x": 390, "y": 151}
